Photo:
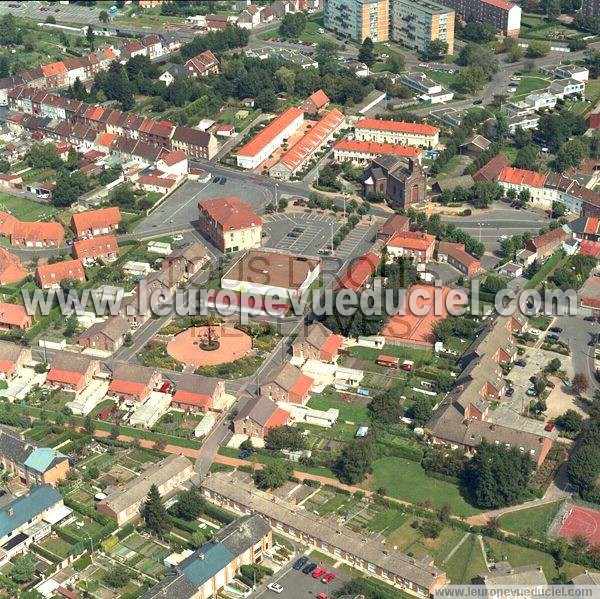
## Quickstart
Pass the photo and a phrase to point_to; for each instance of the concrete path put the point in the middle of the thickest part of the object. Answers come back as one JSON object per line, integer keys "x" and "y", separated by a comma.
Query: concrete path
{"x": 456, "y": 547}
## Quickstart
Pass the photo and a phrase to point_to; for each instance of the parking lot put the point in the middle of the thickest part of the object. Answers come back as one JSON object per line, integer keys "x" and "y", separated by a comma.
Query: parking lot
{"x": 300, "y": 233}
{"x": 182, "y": 206}
{"x": 297, "y": 585}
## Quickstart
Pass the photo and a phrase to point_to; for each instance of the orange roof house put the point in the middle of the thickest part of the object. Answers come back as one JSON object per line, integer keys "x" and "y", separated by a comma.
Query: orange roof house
{"x": 37, "y": 234}
{"x": 397, "y": 126}
{"x": 92, "y": 223}
{"x": 51, "y": 275}
{"x": 289, "y": 386}
{"x": 360, "y": 271}
{"x": 104, "y": 248}
{"x": 412, "y": 244}
{"x": 132, "y": 382}
{"x": 258, "y": 417}
{"x": 14, "y": 316}
{"x": 315, "y": 102}
{"x": 521, "y": 177}
{"x": 317, "y": 343}
{"x": 13, "y": 358}
{"x": 361, "y": 151}
{"x": 7, "y": 224}
{"x": 197, "y": 393}
{"x": 11, "y": 270}
{"x": 71, "y": 371}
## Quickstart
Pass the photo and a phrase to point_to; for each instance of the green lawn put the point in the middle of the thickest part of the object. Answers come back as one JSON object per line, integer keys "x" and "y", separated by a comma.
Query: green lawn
{"x": 25, "y": 209}
{"x": 466, "y": 563}
{"x": 406, "y": 480}
{"x": 535, "y": 519}
{"x": 545, "y": 271}
{"x": 522, "y": 556}
{"x": 348, "y": 411}
{"x": 418, "y": 356}
{"x": 531, "y": 84}
{"x": 446, "y": 79}
{"x": 310, "y": 33}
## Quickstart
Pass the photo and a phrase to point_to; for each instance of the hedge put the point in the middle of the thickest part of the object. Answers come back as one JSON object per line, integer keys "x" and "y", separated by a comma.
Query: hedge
{"x": 218, "y": 514}
{"x": 66, "y": 536}
{"x": 125, "y": 531}
{"x": 47, "y": 554}
{"x": 82, "y": 563}
{"x": 444, "y": 477}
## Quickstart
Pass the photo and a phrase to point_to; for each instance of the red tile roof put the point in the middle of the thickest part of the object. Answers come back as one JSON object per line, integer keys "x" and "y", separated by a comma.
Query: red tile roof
{"x": 519, "y": 176}
{"x": 7, "y": 366}
{"x": 95, "y": 219}
{"x": 375, "y": 148}
{"x": 397, "y": 126}
{"x": 491, "y": 170}
{"x": 272, "y": 130}
{"x": 7, "y": 224}
{"x": 590, "y": 248}
{"x": 551, "y": 236}
{"x": 302, "y": 385}
{"x": 174, "y": 157}
{"x": 13, "y": 315}
{"x": 278, "y": 418}
{"x": 156, "y": 181}
{"x": 65, "y": 377}
{"x": 11, "y": 270}
{"x": 120, "y": 387}
{"x": 192, "y": 399}
{"x": 303, "y": 149}
{"x": 319, "y": 99}
{"x": 231, "y": 213}
{"x": 332, "y": 344}
{"x": 51, "y": 274}
{"x": 592, "y": 226}
{"x": 412, "y": 240}
{"x": 95, "y": 247}
{"x": 35, "y": 232}
{"x": 503, "y": 4}
{"x": 53, "y": 69}
{"x": 359, "y": 271}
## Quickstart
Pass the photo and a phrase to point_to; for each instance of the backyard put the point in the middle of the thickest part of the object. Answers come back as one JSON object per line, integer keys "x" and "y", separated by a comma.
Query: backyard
{"x": 25, "y": 209}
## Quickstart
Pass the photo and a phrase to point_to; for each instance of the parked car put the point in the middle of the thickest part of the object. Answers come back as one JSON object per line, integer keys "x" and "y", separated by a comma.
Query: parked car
{"x": 318, "y": 572}
{"x": 275, "y": 587}
{"x": 550, "y": 426}
{"x": 521, "y": 363}
{"x": 531, "y": 392}
{"x": 178, "y": 237}
{"x": 216, "y": 179}
{"x": 556, "y": 329}
{"x": 223, "y": 181}
{"x": 246, "y": 453}
{"x": 552, "y": 337}
{"x": 330, "y": 576}
{"x": 310, "y": 568}
{"x": 300, "y": 563}
{"x": 510, "y": 392}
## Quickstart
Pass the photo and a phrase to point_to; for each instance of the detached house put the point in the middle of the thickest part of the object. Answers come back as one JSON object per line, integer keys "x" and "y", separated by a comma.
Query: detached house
{"x": 258, "y": 416}
{"x": 203, "y": 64}
{"x": 14, "y": 316}
{"x": 196, "y": 393}
{"x": 191, "y": 258}
{"x": 131, "y": 382}
{"x": 50, "y": 276}
{"x": 315, "y": 102}
{"x": 71, "y": 371}
{"x": 13, "y": 358}
{"x": 108, "y": 335}
{"x": 93, "y": 223}
{"x": 317, "y": 343}
{"x": 289, "y": 386}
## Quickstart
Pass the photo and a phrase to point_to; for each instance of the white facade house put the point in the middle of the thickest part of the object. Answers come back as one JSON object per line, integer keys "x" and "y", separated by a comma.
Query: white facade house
{"x": 567, "y": 87}
{"x": 538, "y": 101}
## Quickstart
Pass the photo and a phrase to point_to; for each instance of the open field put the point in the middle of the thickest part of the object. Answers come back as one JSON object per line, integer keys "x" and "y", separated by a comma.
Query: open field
{"x": 25, "y": 209}
{"x": 535, "y": 520}
{"x": 466, "y": 563}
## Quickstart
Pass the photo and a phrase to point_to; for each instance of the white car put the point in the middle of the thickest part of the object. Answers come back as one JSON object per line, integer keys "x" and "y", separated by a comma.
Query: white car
{"x": 502, "y": 237}
{"x": 177, "y": 237}
{"x": 275, "y": 587}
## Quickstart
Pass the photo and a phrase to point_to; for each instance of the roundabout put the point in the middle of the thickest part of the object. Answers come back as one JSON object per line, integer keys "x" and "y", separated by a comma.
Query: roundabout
{"x": 209, "y": 345}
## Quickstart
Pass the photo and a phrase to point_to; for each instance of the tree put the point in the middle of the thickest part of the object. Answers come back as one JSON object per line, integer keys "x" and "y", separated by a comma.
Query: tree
{"x": 580, "y": 383}
{"x": 88, "y": 425}
{"x": 103, "y": 17}
{"x": 118, "y": 576}
{"x": 189, "y": 504}
{"x": 571, "y": 153}
{"x": 197, "y": 539}
{"x": 553, "y": 9}
{"x": 69, "y": 186}
{"x": 471, "y": 79}
{"x": 497, "y": 476}
{"x": 558, "y": 209}
{"x": 386, "y": 408}
{"x": 292, "y": 25}
{"x": 366, "y": 52}
{"x": 23, "y": 568}
{"x": 436, "y": 49}
{"x": 155, "y": 515}
{"x": 90, "y": 36}
{"x": 273, "y": 476}
{"x": 420, "y": 411}
{"x": 91, "y": 473}
{"x": 286, "y": 79}
{"x": 43, "y": 155}
{"x": 537, "y": 49}
{"x": 396, "y": 64}
{"x": 570, "y": 422}
{"x": 554, "y": 365}
{"x": 285, "y": 437}
{"x": 527, "y": 157}
{"x": 354, "y": 462}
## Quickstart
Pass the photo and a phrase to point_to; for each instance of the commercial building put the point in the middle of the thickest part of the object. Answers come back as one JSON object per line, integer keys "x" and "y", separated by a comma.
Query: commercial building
{"x": 417, "y": 24}
{"x": 416, "y": 575}
{"x": 317, "y": 342}
{"x": 361, "y": 152}
{"x": 50, "y": 276}
{"x": 301, "y": 152}
{"x": 210, "y": 568}
{"x": 231, "y": 224}
{"x": 31, "y": 464}
{"x": 258, "y": 416}
{"x": 93, "y": 223}
{"x": 124, "y": 502}
{"x": 358, "y": 19}
{"x": 503, "y": 16}
{"x": 419, "y": 135}
{"x": 271, "y": 137}
{"x": 273, "y": 272}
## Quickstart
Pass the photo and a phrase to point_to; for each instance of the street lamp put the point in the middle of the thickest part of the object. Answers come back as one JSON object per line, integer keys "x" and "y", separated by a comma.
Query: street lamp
{"x": 276, "y": 197}
{"x": 332, "y": 223}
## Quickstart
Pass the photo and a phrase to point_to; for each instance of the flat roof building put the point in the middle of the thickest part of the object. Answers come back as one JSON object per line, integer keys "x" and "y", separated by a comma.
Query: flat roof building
{"x": 358, "y": 19}
{"x": 503, "y": 16}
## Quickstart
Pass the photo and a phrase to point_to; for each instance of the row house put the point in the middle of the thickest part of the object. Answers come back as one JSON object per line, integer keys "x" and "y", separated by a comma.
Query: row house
{"x": 71, "y": 371}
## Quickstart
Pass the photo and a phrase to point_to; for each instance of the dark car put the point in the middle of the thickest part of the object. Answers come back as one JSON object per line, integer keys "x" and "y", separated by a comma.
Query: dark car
{"x": 300, "y": 563}
{"x": 310, "y": 568}
{"x": 477, "y": 102}
{"x": 552, "y": 337}
{"x": 521, "y": 363}
{"x": 510, "y": 391}
{"x": 216, "y": 179}
{"x": 222, "y": 181}
{"x": 556, "y": 329}
{"x": 245, "y": 454}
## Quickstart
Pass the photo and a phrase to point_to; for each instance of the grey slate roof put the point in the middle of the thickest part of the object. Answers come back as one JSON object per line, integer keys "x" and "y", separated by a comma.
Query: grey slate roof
{"x": 174, "y": 585}
{"x": 10, "y": 351}
{"x": 71, "y": 362}
{"x": 287, "y": 376}
{"x": 242, "y": 534}
{"x": 194, "y": 383}
{"x": 504, "y": 574}
{"x": 133, "y": 373}
{"x": 13, "y": 446}
{"x": 259, "y": 410}
{"x": 114, "y": 328}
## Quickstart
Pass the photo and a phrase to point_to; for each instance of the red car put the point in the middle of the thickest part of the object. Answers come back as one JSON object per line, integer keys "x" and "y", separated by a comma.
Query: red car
{"x": 318, "y": 572}
{"x": 329, "y": 577}
{"x": 322, "y": 596}
{"x": 166, "y": 387}
{"x": 550, "y": 427}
